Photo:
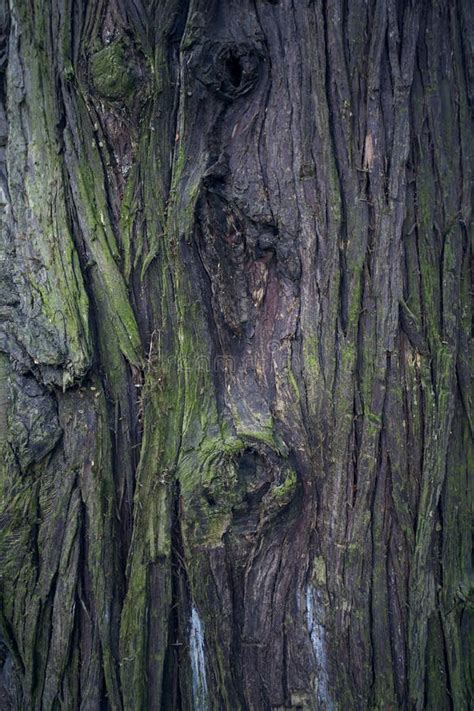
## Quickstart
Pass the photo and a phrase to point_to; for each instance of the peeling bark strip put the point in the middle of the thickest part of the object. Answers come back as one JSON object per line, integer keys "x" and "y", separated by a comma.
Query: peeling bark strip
{"x": 236, "y": 426}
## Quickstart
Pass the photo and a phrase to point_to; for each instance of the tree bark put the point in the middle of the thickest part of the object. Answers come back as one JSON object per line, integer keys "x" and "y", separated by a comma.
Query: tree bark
{"x": 236, "y": 423}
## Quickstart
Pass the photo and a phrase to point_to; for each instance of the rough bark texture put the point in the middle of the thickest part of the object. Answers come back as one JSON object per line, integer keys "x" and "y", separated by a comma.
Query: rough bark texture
{"x": 236, "y": 420}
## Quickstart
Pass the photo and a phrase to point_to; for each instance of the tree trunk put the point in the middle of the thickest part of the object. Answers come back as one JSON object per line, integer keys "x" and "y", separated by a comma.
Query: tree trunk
{"x": 236, "y": 423}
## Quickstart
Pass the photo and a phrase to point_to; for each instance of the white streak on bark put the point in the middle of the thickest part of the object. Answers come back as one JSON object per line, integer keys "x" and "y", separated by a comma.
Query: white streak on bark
{"x": 314, "y": 614}
{"x": 198, "y": 664}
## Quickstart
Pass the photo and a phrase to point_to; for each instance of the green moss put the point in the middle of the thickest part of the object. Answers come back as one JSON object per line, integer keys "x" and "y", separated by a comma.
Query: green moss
{"x": 310, "y": 350}
{"x": 112, "y": 71}
{"x": 266, "y": 436}
{"x": 44, "y": 243}
{"x": 294, "y": 384}
{"x": 127, "y": 217}
{"x": 152, "y": 541}
{"x": 319, "y": 572}
{"x": 110, "y": 290}
{"x": 285, "y": 491}
{"x": 4, "y": 398}
{"x": 210, "y": 474}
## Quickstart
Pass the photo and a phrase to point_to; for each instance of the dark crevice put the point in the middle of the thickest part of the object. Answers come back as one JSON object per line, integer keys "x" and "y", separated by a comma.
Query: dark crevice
{"x": 176, "y": 664}
{"x": 234, "y": 69}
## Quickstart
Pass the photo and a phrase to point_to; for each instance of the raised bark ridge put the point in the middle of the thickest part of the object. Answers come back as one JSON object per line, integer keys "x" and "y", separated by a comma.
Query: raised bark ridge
{"x": 236, "y": 414}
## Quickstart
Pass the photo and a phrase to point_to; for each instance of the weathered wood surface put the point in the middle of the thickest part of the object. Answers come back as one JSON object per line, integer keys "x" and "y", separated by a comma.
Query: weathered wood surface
{"x": 236, "y": 423}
